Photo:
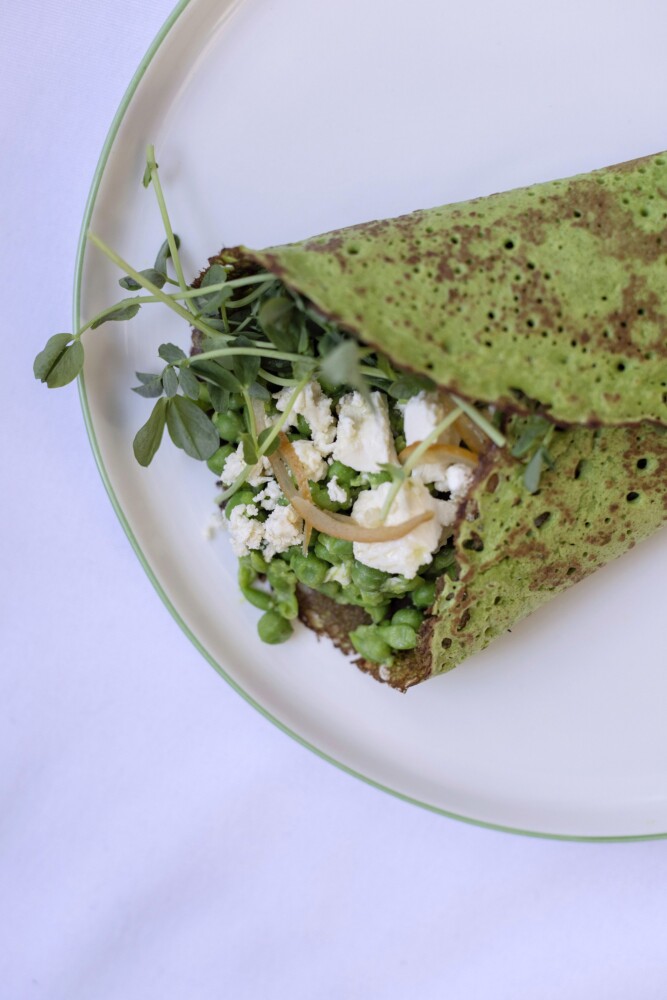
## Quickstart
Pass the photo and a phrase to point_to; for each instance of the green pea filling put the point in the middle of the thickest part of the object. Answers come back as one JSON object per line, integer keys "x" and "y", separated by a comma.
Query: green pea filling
{"x": 395, "y": 605}
{"x": 273, "y": 628}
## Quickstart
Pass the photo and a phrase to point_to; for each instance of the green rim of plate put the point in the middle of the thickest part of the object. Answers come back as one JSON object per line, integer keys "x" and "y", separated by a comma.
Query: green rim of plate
{"x": 94, "y": 188}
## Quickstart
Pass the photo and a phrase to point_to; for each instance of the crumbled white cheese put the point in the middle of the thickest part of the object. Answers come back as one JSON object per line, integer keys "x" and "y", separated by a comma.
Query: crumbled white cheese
{"x": 336, "y": 492}
{"x": 269, "y": 496}
{"x": 429, "y": 473}
{"x": 235, "y": 465}
{"x": 311, "y": 459}
{"x": 384, "y": 672}
{"x": 245, "y": 533}
{"x": 338, "y": 574}
{"x": 282, "y": 529}
{"x": 315, "y": 407}
{"x": 364, "y": 440}
{"x": 457, "y": 481}
{"x": 403, "y": 555}
{"x": 454, "y": 479}
{"x": 279, "y": 532}
{"x": 421, "y": 416}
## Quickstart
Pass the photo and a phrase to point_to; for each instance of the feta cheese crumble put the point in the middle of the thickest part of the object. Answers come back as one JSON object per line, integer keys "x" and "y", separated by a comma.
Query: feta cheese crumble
{"x": 235, "y": 464}
{"x": 421, "y": 415}
{"x": 311, "y": 459}
{"x": 454, "y": 479}
{"x": 336, "y": 492}
{"x": 245, "y": 533}
{"x": 404, "y": 555}
{"x": 282, "y": 529}
{"x": 268, "y": 497}
{"x": 279, "y": 532}
{"x": 364, "y": 439}
{"x": 315, "y": 407}
{"x": 457, "y": 481}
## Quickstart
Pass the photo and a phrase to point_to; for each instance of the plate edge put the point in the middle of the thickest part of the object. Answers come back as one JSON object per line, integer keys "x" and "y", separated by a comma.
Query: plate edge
{"x": 126, "y": 99}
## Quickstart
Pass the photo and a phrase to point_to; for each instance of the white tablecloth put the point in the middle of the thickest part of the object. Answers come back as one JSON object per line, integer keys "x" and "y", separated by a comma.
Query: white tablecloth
{"x": 159, "y": 838}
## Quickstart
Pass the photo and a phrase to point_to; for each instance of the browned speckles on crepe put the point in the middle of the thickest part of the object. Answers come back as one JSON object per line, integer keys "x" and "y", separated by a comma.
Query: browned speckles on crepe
{"x": 559, "y": 290}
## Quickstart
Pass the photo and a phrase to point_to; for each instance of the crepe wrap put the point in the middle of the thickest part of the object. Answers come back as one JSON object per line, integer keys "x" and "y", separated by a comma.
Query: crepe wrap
{"x": 551, "y": 297}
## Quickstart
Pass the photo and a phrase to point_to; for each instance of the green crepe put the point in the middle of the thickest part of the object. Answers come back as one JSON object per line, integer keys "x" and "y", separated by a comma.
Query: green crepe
{"x": 554, "y": 298}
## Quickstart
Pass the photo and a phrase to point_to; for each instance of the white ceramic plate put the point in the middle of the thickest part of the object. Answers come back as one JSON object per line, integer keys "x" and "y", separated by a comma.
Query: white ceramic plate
{"x": 277, "y": 120}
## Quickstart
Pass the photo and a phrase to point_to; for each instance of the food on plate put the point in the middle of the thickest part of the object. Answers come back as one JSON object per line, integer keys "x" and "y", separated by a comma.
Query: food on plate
{"x": 423, "y": 427}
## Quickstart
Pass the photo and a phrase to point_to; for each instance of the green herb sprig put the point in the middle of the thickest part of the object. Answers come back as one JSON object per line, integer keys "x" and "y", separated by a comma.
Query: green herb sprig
{"x": 534, "y": 440}
{"x": 255, "y": 335}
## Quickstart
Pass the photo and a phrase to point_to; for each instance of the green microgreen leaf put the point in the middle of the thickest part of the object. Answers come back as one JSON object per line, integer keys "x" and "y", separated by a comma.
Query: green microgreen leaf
{"x": 386, "y": 368}
{"x": 210, "y": 304}
{"x": 158, "y": 278}
{"x": 275, "y": 319}
{"x": 146, "y": 377}
{"x": 216, "y": 373}
{"x": 341, "y": 366}
{"x": 303, "y": 426}
{"x": 250, "y": 456}
{"x": 263, "y": 437}
{"x": 189, "y": 383}
{"x": 407, "y": 386}
{"x": 259, "y": 391}
{"x": 50, "y": 355}
{"x": 219, "y": 398}
{"x": 67, "y": 366}
{"x": 163, "y": 255}
{"x": 329, "y": 342}
{"x": 170, "y": 382}
{"x": 147, "y": 439}
{"x": 190, "y": 429}
{"x": 303, "y": 369}
{"x": 171, "y": 353}
{"x": 124, "y": 310}
{"x": 213, "y": 343}
{"x": 533, "y": 471}
{"x": 534, "y": 430}
{"x": 304, "y": 339}
{"x": 151, "y": 385}
{"x": 246, "y": 366}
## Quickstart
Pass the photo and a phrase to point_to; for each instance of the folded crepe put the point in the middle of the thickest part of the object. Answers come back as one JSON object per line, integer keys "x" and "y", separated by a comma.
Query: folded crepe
{"x": 549, "y": 300}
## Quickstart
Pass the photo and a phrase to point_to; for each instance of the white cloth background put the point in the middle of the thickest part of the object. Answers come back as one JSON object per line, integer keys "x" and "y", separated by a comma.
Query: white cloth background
{"x": 158, "y": 838}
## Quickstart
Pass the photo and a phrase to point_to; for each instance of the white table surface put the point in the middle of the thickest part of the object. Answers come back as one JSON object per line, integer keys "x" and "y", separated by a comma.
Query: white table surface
{"x": 159, "y": 838}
